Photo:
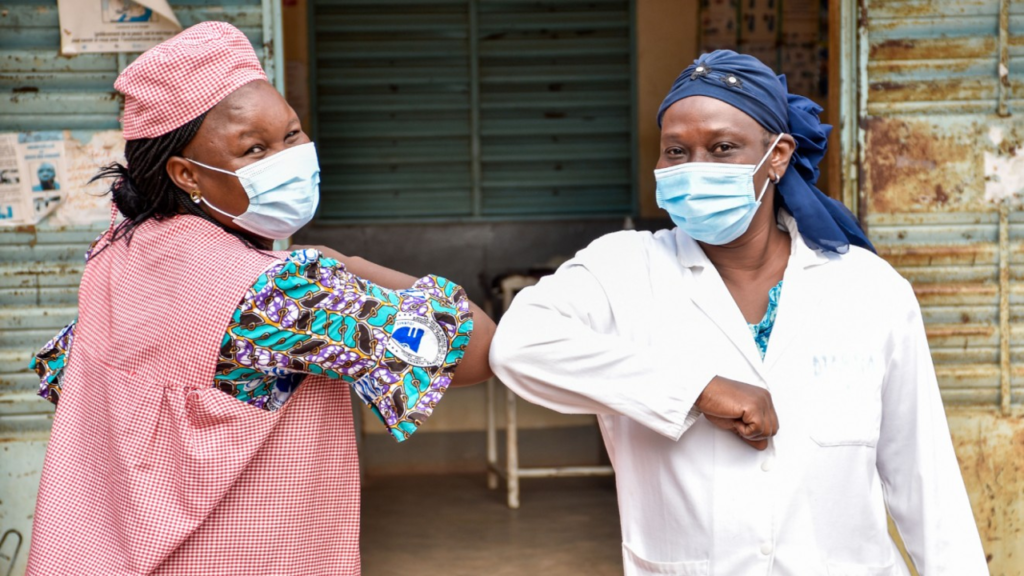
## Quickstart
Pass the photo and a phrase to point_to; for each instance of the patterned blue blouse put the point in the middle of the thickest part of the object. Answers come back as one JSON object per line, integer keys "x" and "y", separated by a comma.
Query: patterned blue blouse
{"x": 309, "y": 315}
{"x": 762, "y": 331}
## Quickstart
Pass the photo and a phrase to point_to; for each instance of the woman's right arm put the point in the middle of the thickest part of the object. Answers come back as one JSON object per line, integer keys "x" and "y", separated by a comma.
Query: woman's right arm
{"x": 51, "y": 361}
{"x": 475, "y": 366}
{"x": 557, "y": 347}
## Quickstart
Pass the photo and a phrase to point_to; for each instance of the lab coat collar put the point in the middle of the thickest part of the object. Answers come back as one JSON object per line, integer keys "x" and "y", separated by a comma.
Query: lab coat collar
{"x": 709, "y": 293}
{"x": 800, "y": 298}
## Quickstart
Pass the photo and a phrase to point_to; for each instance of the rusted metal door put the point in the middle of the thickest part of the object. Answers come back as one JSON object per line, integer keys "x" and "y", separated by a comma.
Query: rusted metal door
{"x": 933, "y": 161}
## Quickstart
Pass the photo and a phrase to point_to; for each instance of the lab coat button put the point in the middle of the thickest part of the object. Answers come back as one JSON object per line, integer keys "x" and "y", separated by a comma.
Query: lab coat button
{"x": 768, "y": 464}
{"x": 766, "y": 549}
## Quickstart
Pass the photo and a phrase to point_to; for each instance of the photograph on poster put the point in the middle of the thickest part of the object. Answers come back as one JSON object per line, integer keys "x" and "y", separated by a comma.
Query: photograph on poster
{"x": 45, "y": 176}
{"x": 32, "y": 170}
{"x": 126, "y": 11}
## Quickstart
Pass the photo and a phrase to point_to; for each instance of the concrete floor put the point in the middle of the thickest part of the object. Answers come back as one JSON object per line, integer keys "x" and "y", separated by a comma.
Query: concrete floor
{"x": 455, "y": 526}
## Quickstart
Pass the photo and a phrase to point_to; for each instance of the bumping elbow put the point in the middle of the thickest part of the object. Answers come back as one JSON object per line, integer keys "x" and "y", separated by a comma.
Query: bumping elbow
{"x": 506, "y": 351}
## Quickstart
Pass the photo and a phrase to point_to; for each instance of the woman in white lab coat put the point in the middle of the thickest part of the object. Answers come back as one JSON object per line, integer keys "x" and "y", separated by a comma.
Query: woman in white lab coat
{"x": 762, "y": 379}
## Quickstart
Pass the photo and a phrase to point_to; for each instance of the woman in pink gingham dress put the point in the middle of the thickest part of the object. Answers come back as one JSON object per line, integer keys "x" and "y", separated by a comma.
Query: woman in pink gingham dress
{"x": 204, "y": 424}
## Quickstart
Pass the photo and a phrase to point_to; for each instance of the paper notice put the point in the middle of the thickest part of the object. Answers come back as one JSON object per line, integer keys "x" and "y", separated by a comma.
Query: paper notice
{"x": 759, "y": 22}
{"x": 87, "y": 203}
{"x": 719, "y": 28}
{"x": 45, "y": 176}
{"x": 32, "y": 176}
{"x": 114, "y": 25}
{"x": 802, "y": 67}
{"x": 10, "y": 181}
{"x": 802, "y": 20}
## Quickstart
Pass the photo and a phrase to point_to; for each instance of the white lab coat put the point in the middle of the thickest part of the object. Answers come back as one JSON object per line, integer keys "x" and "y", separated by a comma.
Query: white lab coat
{"x": 635, "y": 326}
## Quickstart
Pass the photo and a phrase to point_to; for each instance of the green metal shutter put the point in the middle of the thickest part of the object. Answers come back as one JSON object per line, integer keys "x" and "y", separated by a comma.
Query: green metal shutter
{"x": 936, "y": 114}
{"x": 473, "y": 109}
{"x": 41, "y": 266}
{"x": 556, "y": 114}
{"x": 392, "y": 87}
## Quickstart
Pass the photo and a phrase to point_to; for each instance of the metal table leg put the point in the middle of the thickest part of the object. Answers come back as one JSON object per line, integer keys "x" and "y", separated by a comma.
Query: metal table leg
{"x": 492, "y": 439}
{"x": 512, "y": 449}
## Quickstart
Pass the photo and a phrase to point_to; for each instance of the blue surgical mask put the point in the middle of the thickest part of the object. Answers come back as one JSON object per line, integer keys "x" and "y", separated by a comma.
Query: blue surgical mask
{"x": 283, "y": 190}
{"x": 713, "y": 202}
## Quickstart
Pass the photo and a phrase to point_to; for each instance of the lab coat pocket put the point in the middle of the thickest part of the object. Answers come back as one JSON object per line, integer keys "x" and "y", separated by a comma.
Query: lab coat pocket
{"x": 846, "y": 394}
{"x": 836, "y": 569}
{"x": 635, "y": 565}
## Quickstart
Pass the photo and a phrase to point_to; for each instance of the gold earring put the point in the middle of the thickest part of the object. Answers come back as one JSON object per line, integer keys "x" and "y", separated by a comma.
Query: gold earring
{"x": 196, "y": 195}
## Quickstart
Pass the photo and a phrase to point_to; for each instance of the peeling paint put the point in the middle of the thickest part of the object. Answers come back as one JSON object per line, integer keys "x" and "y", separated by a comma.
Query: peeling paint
{"x": 990, "y": 449}
{"x": 995, "y": 135}
{"x": 917, "y": 166}
{"x": 1004, "y": 176}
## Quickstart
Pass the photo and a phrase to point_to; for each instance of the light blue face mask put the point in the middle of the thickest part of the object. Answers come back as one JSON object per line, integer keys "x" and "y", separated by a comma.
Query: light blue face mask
{"x": 713, "y": 202}
{"x": 283, "y": 190}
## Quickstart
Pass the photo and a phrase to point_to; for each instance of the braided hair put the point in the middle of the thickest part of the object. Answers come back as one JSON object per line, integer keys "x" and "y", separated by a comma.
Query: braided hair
{"x": 142, "y": 189}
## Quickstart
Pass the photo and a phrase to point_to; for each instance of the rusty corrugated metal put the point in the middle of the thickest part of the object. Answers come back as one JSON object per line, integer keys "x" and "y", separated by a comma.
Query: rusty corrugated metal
{"x": 941, "y": 166}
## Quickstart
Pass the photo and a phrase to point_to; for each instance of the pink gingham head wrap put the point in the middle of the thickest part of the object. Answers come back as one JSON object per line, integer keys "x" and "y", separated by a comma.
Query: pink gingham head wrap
{"x": 179, "y": 79}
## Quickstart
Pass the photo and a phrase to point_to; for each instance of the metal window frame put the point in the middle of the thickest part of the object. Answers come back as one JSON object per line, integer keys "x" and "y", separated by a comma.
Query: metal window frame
{"x": 273, "y": 43}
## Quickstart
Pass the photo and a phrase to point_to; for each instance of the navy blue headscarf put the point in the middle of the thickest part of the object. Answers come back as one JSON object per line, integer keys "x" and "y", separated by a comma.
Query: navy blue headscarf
{"x": 745, "y": 83}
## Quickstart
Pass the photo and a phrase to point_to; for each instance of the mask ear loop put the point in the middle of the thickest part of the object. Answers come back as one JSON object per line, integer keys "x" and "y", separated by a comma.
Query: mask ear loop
{"x": 215, "y": 209}
{"x": 759, "y": 164}
{"x": 221, "y": 170}
{"x": 197, "y": 198}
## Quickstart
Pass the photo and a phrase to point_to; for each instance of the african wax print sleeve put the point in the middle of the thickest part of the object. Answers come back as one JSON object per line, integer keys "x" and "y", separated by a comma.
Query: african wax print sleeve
{"x": 50, "y": 361}
{"x": 309, "y": 315}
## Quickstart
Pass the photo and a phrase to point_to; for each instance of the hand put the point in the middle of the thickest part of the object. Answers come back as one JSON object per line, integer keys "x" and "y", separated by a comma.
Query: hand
{"x": 741, "y": 408}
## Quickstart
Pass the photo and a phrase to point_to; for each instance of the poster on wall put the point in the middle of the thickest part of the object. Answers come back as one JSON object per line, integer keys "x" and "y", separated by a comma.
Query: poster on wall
{"x": 718, "y": 25}
{"x": 46, "y": 175}
{"x": 795, "y": 45}
{"x": 759, "y": 22}
{"x": 32, "y": 170}
{"x": 759, "y": 31}
{"x": 802, "y": 68}
{"x": 801, "y": 22}
{"x": 87, "y": 203}
{"x": 114, "y": 25}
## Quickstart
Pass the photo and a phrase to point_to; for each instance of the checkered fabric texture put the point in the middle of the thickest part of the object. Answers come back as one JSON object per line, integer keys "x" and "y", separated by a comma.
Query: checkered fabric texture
{"x": 175, "y": 81}
{"x": 151, "y": 470}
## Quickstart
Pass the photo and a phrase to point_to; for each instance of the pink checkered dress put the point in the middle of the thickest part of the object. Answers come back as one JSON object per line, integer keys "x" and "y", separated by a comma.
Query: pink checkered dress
{"x": 177, "y": 477}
